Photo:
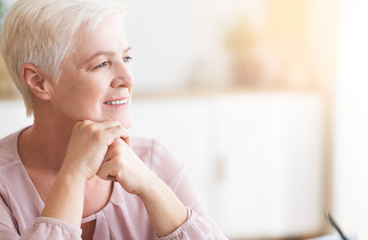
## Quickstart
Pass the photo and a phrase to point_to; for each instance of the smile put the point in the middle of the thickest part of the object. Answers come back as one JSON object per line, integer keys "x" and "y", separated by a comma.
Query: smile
{"x": 117, "y": 102}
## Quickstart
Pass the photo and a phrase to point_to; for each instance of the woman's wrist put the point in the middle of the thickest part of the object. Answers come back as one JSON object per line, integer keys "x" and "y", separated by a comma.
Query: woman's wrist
{"x": 150, "y": 186}
{"x": 65, "y": 199}
{"x": 165, "y": 210}
{"x": 72, "y": 173}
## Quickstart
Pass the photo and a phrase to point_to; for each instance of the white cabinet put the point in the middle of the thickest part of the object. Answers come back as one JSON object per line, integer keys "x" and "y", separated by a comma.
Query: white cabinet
{"x": 271, "y": 152}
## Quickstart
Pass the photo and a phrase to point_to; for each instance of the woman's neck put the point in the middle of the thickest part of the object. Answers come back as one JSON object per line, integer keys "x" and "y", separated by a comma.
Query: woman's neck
{"x": 43, "y": 146}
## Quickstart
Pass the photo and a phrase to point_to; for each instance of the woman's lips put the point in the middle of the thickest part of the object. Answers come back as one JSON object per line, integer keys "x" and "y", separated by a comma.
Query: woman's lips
{"x": 117, "y": 102}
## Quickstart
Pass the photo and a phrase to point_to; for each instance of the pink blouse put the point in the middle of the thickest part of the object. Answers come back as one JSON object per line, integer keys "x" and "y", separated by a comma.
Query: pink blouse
{"x": 124, "y": 217}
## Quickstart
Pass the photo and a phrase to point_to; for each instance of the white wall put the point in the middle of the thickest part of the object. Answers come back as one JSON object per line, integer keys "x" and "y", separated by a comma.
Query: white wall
{"x": 12, "y": 117}
{"x": 172, "y": 39}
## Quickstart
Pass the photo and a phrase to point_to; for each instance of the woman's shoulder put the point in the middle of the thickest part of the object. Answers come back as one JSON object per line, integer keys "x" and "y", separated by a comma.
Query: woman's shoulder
{"x": 9, "y": 149}
{"x": 141, "y": 145}
{"x": 160, "y": 158}
{"x": 150, "y": 148}
{"x": 147, "y": 149}
{"x": 11, "y": 174}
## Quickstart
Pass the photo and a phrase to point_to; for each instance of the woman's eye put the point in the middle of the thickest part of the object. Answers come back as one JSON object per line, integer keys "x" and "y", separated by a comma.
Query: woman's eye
{"x": 101, "y": 65}
{"x": 127, "y": 59}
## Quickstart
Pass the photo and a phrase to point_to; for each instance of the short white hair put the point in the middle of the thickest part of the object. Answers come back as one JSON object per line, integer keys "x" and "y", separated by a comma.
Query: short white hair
{"x": 41, "y": 32}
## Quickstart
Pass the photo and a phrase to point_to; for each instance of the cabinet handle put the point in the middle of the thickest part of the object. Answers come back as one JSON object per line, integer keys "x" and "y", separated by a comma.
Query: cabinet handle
{"x": 221, "y": 169}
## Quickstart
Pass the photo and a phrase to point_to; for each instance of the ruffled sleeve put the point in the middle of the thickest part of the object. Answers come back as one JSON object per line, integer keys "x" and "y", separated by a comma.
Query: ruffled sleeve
{"x": 42, "y": 228}
{"x": 50, "y": 228}
{"x": 195, "y": 227}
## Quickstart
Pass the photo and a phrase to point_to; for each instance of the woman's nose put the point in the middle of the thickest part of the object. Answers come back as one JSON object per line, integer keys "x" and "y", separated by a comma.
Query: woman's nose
{"x": 122, "y": 76}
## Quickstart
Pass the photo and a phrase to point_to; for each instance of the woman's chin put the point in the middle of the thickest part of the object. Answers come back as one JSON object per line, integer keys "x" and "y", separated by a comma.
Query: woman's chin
{"x": 126, "y": 124}
{"x": 125, "y": 121}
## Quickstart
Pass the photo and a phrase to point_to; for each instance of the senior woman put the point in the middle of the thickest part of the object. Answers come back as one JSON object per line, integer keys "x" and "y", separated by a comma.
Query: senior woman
{"x": 76, "y": 173}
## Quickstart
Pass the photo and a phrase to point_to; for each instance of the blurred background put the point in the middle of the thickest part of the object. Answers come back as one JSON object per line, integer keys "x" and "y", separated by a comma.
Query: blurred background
{"x": 263, "y": 100}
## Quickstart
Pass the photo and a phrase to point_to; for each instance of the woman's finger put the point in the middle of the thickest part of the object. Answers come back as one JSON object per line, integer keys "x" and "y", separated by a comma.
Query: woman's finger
{"x": 109, "y": 170}
{"x": 117, "y": 132}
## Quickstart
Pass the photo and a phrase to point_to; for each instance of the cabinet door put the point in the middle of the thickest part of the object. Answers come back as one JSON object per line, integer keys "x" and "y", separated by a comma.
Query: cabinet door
{"x": 269, "y": 153}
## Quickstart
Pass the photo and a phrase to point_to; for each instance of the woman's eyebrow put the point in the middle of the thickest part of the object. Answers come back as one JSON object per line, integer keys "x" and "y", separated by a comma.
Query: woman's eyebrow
{"x": 128, "y": 49}
{"x": 99, "y": 53}
{"x": 109, "y": 53}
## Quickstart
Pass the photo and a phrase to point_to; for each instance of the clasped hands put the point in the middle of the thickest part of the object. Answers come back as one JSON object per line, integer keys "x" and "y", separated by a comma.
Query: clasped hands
{"x": 103, "y": 149}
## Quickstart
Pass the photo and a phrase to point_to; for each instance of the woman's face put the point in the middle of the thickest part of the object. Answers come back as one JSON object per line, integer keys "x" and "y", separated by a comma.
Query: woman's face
{"x": 96, "y": 79}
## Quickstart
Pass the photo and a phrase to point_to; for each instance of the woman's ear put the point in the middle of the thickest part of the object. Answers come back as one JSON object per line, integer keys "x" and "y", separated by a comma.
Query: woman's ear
{"x": 34, "y": 77}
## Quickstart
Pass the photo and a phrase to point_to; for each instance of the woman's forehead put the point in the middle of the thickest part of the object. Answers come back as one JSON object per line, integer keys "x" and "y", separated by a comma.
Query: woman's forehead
{"x": 107, "y": 36}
